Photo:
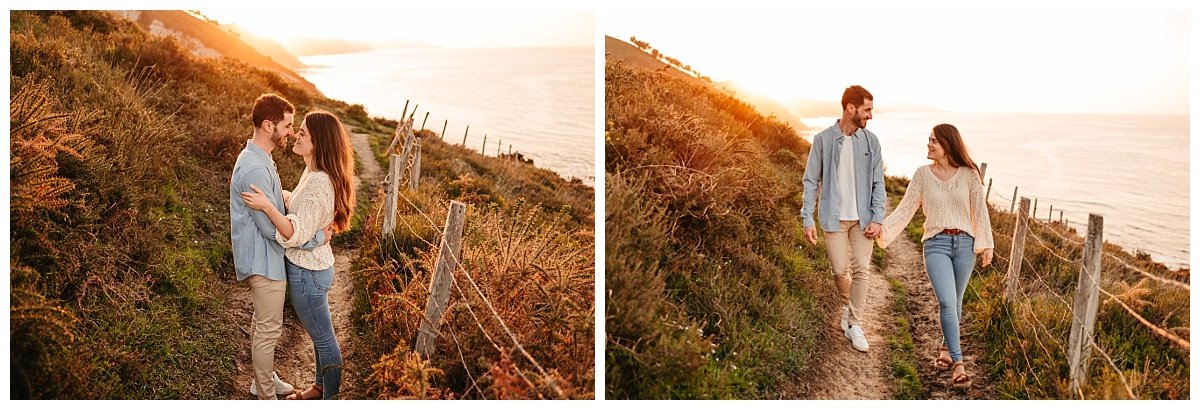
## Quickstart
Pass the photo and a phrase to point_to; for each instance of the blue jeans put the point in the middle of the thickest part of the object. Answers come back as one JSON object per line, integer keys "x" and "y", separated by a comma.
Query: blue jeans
{"x": 309, "y": 289}
{"x": 949, "y": 260}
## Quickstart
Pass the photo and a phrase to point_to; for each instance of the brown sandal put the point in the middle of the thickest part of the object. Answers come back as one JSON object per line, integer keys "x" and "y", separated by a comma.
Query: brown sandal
{"x": 943, "y": 361}
{"x": 306, "y": 395}
{"x": 961, "y": 379}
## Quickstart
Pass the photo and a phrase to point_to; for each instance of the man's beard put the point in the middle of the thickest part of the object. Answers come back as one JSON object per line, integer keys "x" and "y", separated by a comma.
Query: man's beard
{"x": 280, "y": 140}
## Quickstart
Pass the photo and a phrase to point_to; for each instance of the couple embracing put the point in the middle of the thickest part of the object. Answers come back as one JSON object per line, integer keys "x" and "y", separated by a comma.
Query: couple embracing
{"x": 846, "y": 166}
{"x": 281, "y": 238}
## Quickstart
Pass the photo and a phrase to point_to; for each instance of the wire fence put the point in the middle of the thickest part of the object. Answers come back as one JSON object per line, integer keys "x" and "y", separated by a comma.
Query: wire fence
{"x": 404, "y": 130}
{"x": 1089, "y": 255}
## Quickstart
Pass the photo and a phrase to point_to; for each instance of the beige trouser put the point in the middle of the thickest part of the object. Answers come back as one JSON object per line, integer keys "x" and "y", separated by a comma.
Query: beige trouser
{"x": 268, "y": 325}
{"x": 850, "y": 254}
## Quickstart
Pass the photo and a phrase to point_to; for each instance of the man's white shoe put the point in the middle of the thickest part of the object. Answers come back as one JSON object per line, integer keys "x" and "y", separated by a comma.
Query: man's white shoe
{"x": 281, "y": 387}
{"x": 857, "y": 338}
{"x": 846, "y": 319}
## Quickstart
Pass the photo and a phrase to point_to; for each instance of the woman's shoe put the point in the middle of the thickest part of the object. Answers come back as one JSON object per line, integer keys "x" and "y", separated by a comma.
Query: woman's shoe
{"x": 312, "y": 393}
{"x": 961, "y": 380}
{"x": 943, "y": 361}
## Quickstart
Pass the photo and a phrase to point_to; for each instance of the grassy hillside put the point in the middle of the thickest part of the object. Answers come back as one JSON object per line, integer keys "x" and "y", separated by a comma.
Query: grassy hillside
{"x": 122, "y": 145}
{"x": 200, "y": 33}
{"x": 618, "y": 50}
{"x": 529, "y": 247}
{"x": 710, "y": 292}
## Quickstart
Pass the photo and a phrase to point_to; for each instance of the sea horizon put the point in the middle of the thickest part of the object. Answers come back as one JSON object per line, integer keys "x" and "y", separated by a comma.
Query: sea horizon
{"x": 538, "y": 100}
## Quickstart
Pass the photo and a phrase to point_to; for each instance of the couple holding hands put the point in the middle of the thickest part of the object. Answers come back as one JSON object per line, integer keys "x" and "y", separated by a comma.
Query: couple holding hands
{"x": 846, "y": 166}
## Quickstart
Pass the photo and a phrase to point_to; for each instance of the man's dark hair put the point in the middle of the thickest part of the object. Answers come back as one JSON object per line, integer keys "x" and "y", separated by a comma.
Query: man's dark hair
{"x": 270, "y": 107}
{"x": 855, "y": 94}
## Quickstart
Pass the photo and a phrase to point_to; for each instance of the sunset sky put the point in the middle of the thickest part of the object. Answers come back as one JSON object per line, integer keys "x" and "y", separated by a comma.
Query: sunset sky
{"x": 1060, "y": 61}
{"x": 481, "y": 26}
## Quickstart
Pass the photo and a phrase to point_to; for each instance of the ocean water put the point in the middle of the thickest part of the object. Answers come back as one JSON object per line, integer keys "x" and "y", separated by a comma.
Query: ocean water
{"x": 539, "y": 100}
{"x": 1131, "y": 169}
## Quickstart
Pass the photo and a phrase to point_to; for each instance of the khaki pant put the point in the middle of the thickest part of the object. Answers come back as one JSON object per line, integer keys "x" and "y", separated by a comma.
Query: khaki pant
{"x": 850, "y": 254}
{"x": 268, "y": 325}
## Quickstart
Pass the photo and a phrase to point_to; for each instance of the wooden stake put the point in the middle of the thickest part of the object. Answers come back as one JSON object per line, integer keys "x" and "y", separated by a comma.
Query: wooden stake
{"x": 443, "y": 276}
{"x": 1018, "y": 251}
{"x": 1087, "y": 300}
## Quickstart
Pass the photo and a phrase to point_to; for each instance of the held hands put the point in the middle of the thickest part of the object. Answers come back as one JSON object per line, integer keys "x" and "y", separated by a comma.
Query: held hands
{"x": 257, "y": 200}
{"x": 874, "y": 230}
{"x": 987, "y": 258}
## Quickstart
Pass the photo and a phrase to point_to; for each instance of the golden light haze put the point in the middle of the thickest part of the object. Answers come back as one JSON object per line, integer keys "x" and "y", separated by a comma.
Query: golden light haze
{"x": 478, "y": 27}
{"x": 1051, "y": 61}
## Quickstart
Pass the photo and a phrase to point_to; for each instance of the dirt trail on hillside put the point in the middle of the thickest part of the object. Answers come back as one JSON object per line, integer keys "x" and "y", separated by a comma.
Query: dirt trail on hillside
{"x": 853, "y": 375}
{"x": 849, "y": 374}
{"x": 294, "y": 357}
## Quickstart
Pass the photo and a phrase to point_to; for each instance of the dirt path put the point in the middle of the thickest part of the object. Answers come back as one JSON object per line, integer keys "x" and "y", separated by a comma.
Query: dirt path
{"x": 294, "y": 357}
{"x": 906, "y": 264}
{"x": 850, "y": 374}
{"x": 853, "y": 375}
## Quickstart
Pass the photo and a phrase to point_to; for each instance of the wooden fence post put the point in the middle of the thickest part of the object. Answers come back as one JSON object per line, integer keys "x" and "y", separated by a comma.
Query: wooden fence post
{"x": 982, "y": 171}
{"x": 1060, "y": 216}
{"x": 414, "y": 176}
{"x": 484, "y": 145}
{"x": 1013, "y": 208}
{"x": 1034, "y": 213}
{"x": 414, "y": 113}
{"x": 443, "y": 275}
{"x": 1018, "y": 251}
{"x": 395, "y": 137}
{"x": 405, "y": 113}
{"x": 465, "y": 135}
{"x": 389, "y": 219}
{"x": 498, "y": 144}
{"x": 988, "y": 197}
{"x": 1087, "y": 299}
{"x": 423, "y": 121}
{"x": 1050, "y": 218}
{"x": 442, "y": 136}
{"x": 510, "y": 149}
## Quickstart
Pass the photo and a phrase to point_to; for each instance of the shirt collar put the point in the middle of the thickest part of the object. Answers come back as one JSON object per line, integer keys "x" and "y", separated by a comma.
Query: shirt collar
{"x": 837, "y": 124}
{"x": 258, "y": 152}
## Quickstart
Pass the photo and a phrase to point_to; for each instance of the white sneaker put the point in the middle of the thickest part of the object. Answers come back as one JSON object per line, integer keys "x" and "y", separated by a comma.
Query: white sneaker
{"x": 846, "y": 319}
{"x": 857, "y": 338}
{"x": 281, "y": 387}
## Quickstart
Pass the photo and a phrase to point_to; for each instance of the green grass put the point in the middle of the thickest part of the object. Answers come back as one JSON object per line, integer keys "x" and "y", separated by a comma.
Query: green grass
{"x": 711, "y": 290}
{"x": 902, "y": 349}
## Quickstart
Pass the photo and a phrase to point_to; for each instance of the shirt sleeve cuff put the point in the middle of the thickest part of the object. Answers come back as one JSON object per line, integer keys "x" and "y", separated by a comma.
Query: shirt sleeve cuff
{"x": 294, "y": 241}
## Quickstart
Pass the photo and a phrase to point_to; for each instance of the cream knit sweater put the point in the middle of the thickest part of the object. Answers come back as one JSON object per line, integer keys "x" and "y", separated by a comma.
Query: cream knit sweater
{"x": 954, "y": 204}
{"x": 310, "y": 208}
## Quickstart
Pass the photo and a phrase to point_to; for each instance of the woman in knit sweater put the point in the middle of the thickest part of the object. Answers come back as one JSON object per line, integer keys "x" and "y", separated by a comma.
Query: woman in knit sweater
{"x": 957, "y": 227}
{"x": 324, "y": 194}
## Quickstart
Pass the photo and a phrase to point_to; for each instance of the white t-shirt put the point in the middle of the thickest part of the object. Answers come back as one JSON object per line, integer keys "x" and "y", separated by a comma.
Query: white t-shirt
{"x": 848, "y": 210}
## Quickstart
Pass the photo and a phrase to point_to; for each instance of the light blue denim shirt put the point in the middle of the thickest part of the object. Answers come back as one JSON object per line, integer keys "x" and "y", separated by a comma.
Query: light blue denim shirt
{"x": 255, "y": 250}
{"x": 821, "y": 173}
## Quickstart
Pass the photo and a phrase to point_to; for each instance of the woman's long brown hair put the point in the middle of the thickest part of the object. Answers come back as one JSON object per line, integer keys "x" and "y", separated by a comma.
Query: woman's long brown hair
{"x": 332, "y": 155}
{"x": 951, "y": 141}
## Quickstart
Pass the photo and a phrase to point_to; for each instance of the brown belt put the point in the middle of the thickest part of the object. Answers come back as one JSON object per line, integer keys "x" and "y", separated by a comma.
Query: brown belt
{"x": 952, "y": 231}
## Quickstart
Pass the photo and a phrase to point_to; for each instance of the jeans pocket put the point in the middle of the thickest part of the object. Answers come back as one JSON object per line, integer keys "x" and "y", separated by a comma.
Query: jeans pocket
{"x": 322, "y": 280}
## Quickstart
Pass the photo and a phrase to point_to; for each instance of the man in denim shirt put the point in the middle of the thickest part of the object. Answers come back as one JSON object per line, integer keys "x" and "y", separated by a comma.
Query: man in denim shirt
{"x": 257, "y": 257}
{"x": 846, "y": 165}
